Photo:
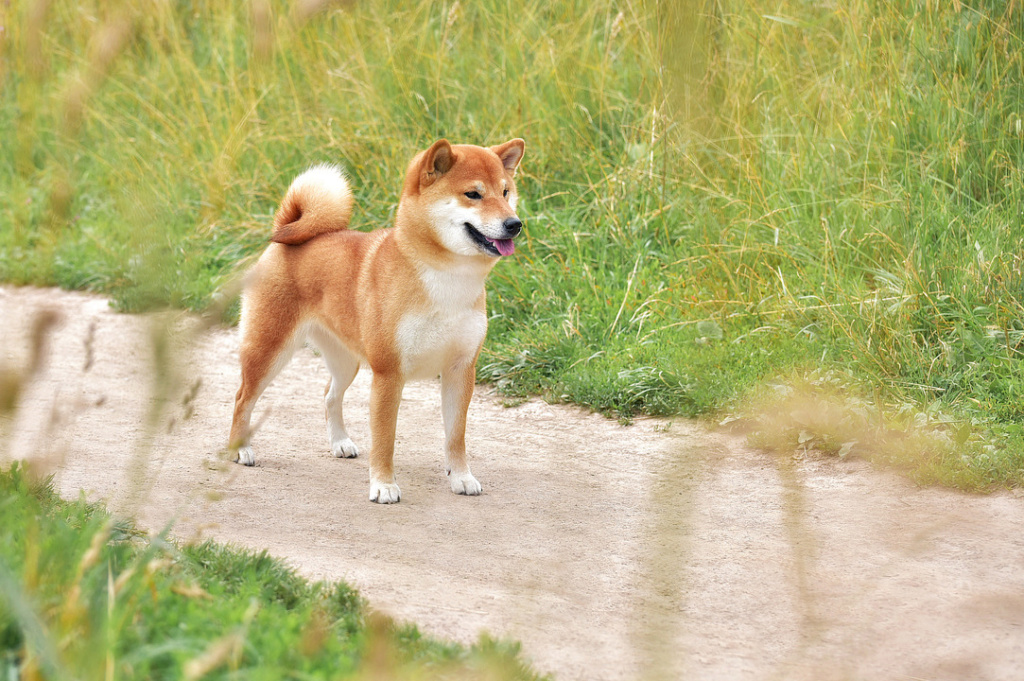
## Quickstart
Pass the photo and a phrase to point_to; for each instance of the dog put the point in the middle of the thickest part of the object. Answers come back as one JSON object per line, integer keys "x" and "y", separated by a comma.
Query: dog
{"x": 408, "y": 300}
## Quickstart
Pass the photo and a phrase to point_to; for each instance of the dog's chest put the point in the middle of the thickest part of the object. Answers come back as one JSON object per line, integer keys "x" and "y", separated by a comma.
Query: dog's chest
{"x": 449, "y": 329}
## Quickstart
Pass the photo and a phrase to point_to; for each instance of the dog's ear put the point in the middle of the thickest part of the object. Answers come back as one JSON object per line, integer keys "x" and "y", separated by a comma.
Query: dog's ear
{"x": 510, "y": 153}
{"x": 437, "y": 161}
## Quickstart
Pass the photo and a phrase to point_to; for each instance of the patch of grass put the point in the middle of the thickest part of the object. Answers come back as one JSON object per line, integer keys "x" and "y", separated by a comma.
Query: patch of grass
{"x": 715, "y": 194}
{"x": 83, "y": 596}
{"x": 832, "y": 413}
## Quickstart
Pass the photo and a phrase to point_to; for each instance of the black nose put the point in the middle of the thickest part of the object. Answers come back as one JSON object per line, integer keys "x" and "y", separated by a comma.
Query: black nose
{"x": 512, "y": 226}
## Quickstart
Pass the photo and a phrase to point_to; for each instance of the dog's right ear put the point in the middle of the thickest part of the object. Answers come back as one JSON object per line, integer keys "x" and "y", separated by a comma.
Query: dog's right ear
{"x": 437, "y": 161}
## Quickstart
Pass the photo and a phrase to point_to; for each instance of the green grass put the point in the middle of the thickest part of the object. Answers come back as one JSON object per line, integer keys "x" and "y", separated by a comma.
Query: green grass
{"x": 85, "y": 597}
{"x": 717, "y": 195}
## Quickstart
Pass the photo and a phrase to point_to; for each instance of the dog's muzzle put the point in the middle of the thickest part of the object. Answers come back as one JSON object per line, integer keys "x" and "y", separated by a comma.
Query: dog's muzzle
{"x": 497, "y": 246}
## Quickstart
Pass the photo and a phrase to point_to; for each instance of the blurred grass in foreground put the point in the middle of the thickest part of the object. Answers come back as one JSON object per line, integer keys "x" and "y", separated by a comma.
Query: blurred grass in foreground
{"x": 719, "y": 196}
{"x": 85, "y": 597}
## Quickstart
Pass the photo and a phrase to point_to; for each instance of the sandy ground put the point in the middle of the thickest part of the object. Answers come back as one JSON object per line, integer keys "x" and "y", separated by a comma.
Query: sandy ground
{"x": 657, "y": 550}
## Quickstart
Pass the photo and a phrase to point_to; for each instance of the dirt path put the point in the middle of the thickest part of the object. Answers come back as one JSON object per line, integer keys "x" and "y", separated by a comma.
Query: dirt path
{"x": 652, "y": 551}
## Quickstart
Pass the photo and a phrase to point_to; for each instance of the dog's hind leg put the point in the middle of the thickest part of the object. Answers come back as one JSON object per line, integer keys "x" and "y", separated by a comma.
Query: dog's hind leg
{"x": 269, "y": 341}
{"x": 343, "y": 367}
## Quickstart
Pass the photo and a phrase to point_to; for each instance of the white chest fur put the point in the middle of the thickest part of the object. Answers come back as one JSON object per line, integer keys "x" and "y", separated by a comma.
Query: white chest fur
{"x": 450, "y": 329}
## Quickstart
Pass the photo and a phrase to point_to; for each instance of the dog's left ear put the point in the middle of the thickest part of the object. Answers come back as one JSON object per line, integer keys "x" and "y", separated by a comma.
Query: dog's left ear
{"x": 510, "y": 153}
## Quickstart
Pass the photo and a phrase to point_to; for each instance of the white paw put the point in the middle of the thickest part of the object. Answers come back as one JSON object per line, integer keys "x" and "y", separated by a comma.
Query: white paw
{"x": 245, "y": 456}
{"x": 384, "y": 492}
{"x": 464, "y": 483}
{"x": 344, "y": 449}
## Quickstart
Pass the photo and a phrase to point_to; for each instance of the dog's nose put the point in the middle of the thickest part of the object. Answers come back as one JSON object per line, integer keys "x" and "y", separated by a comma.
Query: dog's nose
{"x": 513, "y": 226}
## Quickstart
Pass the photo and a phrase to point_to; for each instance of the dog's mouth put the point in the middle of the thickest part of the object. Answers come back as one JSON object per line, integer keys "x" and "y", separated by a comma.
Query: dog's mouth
{"x": 490, "y": 246}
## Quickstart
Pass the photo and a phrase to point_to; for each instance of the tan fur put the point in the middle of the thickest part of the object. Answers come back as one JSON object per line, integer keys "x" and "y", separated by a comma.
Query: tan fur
{"x": 308, "y": 210}
{"x": 408, "y": 301}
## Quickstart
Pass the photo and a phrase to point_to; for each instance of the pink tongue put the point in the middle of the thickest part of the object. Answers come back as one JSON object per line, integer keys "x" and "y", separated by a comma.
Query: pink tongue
{"x": 504, "y": 246}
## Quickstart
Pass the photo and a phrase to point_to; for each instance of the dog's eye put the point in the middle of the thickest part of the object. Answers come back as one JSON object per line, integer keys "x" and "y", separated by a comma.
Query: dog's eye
{"x": 505, "y": 193}
{"x": 473, "y": 195}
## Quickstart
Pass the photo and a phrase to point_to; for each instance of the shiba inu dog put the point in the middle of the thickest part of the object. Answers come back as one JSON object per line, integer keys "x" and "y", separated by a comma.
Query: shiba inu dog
{"x": 408, "y": 301}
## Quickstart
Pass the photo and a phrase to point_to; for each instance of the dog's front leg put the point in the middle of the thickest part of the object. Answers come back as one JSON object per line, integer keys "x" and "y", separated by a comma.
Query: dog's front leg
{"x": 385, "y": 396}
{"x": 456, "y": 391}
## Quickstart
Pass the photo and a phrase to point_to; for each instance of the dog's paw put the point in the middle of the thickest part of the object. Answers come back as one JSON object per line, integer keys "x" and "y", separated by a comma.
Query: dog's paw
{"x": 344, "y": 449}
{"x": 464, "y": 483}
{"x": 245, "y": 456}
{"x": 384, "y": 492}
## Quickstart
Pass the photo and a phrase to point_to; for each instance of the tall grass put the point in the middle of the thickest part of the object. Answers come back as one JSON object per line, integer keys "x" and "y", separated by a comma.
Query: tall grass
{"x": 716, "y": 193}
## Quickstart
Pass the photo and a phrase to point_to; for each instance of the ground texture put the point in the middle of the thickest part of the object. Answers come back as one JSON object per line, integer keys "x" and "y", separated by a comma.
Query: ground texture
{"x": 657, "y": 550}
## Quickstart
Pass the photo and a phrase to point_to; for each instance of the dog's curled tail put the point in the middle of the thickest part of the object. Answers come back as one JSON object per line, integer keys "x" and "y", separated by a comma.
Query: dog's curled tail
{"x": 317, "y": 202}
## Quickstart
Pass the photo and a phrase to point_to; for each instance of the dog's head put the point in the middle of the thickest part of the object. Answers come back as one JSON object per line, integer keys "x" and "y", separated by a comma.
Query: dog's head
{"x": 466, "y": 196}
